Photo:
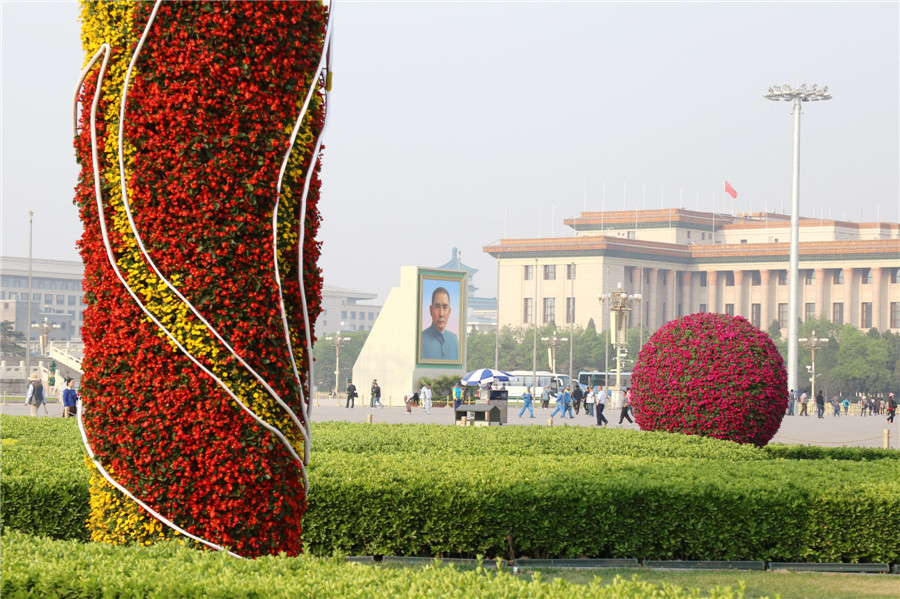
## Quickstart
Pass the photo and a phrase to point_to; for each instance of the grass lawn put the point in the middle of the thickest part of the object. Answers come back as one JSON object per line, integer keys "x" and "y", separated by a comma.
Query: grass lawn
{"x": 787, "y": 585}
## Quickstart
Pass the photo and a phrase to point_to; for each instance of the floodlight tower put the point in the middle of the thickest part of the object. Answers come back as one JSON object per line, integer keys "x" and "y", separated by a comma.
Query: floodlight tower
{"x": 620, "y": 304}
{"x": 784, "y": 93}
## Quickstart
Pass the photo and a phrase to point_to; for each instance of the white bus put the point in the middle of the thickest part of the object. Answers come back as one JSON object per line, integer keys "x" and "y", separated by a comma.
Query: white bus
{"x": 526, "y": 378}
{"x": 606, "y": 379}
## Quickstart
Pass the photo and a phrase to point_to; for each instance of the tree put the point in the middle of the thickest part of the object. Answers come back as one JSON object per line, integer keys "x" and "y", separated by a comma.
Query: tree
{"x": 12, "y": 342}
{"x": 324, "y": 355}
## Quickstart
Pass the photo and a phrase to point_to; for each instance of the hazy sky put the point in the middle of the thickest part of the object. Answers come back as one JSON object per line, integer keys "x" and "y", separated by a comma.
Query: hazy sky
{"x": 456, "y": 124}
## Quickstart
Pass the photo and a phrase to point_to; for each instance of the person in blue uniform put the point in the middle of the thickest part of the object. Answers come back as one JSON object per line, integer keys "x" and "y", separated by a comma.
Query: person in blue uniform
{"x": 437, "y": 342}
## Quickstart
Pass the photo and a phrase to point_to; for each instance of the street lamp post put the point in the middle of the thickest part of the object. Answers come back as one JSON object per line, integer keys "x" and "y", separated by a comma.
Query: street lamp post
{"x": 813, "y": 343}
{"x": 552, "y": 342}
{"x": 619, "y": 303}
{"x": 45, "y": 328}
{"x": 338, "y": 343}
{"x": 784, "y": 93}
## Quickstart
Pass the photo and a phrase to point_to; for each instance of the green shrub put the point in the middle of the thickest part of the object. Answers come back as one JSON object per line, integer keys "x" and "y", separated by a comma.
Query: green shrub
{"x": 813, "y": 452}
{"x": 44, "y": 479}
{"x": 71, "y": 569}
{"x": 553, "y": 492}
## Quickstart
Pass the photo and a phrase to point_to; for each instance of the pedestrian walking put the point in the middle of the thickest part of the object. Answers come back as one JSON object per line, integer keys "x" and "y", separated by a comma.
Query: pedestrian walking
{"x": 601, "y": 405}
{"x": 376, "y": 394}
{"x": 545, "y": 398}
{"x": 425, "y": 394}
{"x": 527, "y": 399}
{"x": 70, "y": 399}
{"x": 804, "y": 402}
{"x": 34, "y": 396}
{"x": 351, "y": 394}
{"x": 457, "y": 396}
{"x": 820, "y": 404}
{"x": 562, "y": 403}
{"x": 891, "y": 408}
{"x": 626, "y": 405}
{"x": 410, "y": 400}
{"x": 577, "y": 397}
{"x": 792, "y": 397}
{"x": 590, "y": 398}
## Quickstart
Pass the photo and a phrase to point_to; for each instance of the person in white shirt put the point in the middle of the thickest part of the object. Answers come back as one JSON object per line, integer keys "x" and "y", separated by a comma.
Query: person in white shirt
{"x": 425, "y": 395}
{"x": 600, "y": 392}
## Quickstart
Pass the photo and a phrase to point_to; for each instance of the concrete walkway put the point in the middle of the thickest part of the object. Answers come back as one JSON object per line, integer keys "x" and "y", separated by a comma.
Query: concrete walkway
{"x": 853, "y": 431}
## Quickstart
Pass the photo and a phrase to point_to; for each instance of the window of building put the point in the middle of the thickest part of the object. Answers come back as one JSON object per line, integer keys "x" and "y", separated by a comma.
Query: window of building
{"x": 782, "y": 277}
{"x": 782, "y": 315}
{"x": 729, "y": 309}
{"x": 895, "y": 315}
{"x": 570, "y": 310}
{"x": 895, "y": 275}
{"x": 13, "y": 295}
{"x": 549, "y": 310}
{"x": 343, "y": 314}
{"x": 866, "y": 277}
{"x": 729, "y": 279}
{"x": 756, "y": 315}
{"x": 703, "y": 279}
{"x": 838, "y": 278}
{"x": 36, "y": 297}
{"x": 809, "y": 277}
{"x": 755, "y": 278}
{"x": 71, "y": 300}
{"x": 3, "y": 296}
{"x": 743, "y": 241}
{"x": 48, "y": 298}
{"x": 809, "y": 311}
{"x": 527, "y": 315}
{"x": 352, "y": 315}
{"x": 630, "y": 234}
{"x": 60, "y": 299}
{"x": 680, "y": 313}
{"x": 865, "y": 315}
{"x": 837, "y": 313}
{"x": 570, "y": 272}
{"x": 688, "y": 234}
{"x": 702, "y": 308}
{"x": 549, "y": 272}
{"x": 371, "y": 316}
{"x": 528, "y": 272}
{"x": 702, "y": 236}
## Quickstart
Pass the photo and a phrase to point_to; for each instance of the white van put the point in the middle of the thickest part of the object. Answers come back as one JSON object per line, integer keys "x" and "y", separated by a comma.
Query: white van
{"x": 526, "y": 378}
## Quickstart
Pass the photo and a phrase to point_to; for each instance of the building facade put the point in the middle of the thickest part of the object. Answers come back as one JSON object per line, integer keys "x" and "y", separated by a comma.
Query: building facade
{"x": 343, "y": 310}
{"x": 683, "y": 261}
{"x": 56, "y": 296}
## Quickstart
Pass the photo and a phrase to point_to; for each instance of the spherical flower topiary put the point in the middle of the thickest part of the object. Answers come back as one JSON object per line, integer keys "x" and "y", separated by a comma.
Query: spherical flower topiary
{"x": 713, "y": 375}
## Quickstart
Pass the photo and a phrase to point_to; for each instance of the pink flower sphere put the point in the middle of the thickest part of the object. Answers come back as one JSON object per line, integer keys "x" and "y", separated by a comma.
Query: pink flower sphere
{"x": 713, "y": 375}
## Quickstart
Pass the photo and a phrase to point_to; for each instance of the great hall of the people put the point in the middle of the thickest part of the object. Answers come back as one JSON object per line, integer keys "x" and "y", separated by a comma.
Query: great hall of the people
{"x": 684, "y": 261}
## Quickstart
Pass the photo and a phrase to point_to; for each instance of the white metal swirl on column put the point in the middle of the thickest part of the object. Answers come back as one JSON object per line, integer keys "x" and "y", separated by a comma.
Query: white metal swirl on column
{"x": 106, "y": 51}
{"x": 304, "y": 428}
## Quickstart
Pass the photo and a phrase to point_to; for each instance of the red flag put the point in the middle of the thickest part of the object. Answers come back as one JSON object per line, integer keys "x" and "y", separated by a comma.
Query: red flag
{"x": 730, "y": 190}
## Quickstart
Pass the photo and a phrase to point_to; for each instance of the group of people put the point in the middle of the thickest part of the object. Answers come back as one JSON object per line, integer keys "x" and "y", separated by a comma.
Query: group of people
{"x": 866, "y": 404}
{"x": 569, "y": 401}
{"x": 35, "y": 397}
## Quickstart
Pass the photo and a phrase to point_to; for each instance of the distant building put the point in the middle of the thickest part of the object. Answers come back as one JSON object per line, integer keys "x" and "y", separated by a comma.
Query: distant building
{"x": 344, "y": 310}
{"x": 482, "y": 311}
{"x": 56, "y": 295}
{"x": 684, "y": 261}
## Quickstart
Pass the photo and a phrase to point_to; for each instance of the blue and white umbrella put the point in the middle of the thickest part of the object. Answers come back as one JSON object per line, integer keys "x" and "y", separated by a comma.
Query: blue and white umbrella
{"x": 486, "y": 375}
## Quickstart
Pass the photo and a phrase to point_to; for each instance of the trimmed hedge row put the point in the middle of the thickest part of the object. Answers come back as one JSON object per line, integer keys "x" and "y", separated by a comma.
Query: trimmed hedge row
{"x": 648, "y": 508}
{"x": 428, "y": 490}
{"x": 92, "y": 570}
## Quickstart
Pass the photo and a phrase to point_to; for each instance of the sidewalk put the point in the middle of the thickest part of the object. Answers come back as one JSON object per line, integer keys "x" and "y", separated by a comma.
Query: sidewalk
{"x": 850, "y": 431}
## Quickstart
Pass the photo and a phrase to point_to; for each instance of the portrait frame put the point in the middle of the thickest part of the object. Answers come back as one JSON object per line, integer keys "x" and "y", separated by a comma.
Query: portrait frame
{"x": 433, "y": 347}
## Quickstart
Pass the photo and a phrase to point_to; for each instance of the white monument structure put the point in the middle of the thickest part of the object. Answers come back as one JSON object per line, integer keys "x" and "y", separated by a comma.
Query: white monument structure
{"x": 420, "y": 332}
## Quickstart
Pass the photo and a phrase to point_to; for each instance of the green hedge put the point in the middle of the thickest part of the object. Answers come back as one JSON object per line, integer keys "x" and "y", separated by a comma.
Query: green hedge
{"x": 36, "y": 567}
{"x": 553, "y": 492}
{"x": 44, "y": 481}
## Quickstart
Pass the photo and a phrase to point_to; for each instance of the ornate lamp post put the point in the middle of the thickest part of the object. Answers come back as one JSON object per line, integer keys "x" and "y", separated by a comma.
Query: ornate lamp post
{"x": 552, "y": 342}
{"x": 620, "y": 304}
{"x": 784, "y": 93}
{"x": 813, "y": 343}
{"x": 338, "y": 342}
{"x": 45, "y": 328}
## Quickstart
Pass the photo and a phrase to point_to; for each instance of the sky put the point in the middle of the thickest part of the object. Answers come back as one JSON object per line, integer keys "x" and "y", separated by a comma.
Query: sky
{"x": 456, "y": 124}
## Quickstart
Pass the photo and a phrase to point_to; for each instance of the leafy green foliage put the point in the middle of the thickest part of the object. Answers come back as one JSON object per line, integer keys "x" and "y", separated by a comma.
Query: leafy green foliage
{"x": 555, "y": 492}
{"x": 12, "y": 342}
{"x": 326, "y": 356}
{"x": 93, "y": 570}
